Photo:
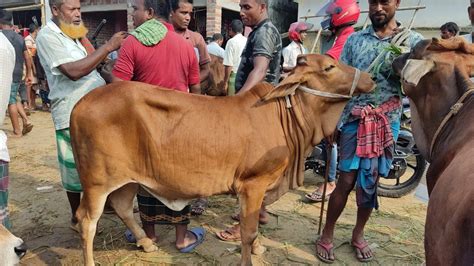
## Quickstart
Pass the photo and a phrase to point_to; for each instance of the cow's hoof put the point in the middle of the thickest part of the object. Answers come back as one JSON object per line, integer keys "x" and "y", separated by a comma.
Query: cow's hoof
{"x": 257, "y": 248}
{"x": 147, "y": 245}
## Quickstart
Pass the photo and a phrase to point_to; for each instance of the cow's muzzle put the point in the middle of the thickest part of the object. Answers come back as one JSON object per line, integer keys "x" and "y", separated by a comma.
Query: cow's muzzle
{"x": 21, "y": 250}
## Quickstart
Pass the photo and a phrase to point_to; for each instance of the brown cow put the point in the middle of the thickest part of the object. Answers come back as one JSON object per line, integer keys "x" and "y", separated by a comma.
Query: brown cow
{"x": 214, "y": 84}
{"x": 184, "y": 146}
{"x": 435, "y": 76}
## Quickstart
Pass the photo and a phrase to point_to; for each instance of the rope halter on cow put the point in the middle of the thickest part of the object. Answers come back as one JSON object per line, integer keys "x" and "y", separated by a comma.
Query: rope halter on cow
{"x": 455, "y": 108}
{"x": 326, "y": 94}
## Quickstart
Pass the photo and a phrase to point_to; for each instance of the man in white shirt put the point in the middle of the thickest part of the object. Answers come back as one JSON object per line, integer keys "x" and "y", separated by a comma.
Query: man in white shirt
{"x": 470, "y": 11}
{"x": 233, "y": 51}
{"x": 7, "y": 64}
{"x": 70, "y": 62}
{"x": 214, "y": 47}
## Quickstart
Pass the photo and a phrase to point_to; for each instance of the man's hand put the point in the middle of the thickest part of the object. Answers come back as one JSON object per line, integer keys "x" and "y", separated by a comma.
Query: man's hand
{"x": 29, "y": 80}
{"x": 116, "y": 40}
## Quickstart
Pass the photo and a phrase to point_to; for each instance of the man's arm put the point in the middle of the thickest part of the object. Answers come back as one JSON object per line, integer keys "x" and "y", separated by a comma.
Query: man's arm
{"x": 29, "y": 67}
{"x": 78, "y": 69}
{"x": 204, "y": 71}
{"x": 260, "y": 66}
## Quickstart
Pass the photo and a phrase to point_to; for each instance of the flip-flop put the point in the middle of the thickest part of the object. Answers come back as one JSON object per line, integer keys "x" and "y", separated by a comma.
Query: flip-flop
{"x": 360, "y": 247}
{"x": 232, "y": 235}
{"x": 312, "y": 196}
{"x": 130, "y": 237}
{"x": 199, "y": 232}
{"x": 328, "y": 247}
{"x": 236, "y": 217}
{"x": 199, "y": 207}
{"x": 27, "y": 128}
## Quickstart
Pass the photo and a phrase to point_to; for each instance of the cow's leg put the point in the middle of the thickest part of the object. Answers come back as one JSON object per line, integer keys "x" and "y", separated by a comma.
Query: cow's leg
{"x": 122, "y": 202}
{"x": 88, "y": 214}
{"x": 251, "y": 198}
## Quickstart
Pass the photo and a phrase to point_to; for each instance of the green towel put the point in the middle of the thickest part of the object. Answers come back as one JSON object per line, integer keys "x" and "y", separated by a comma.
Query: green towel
{"x": 150, "y": 33}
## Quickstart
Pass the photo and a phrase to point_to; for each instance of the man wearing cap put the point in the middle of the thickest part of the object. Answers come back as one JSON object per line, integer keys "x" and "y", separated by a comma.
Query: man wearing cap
{"x": 297, "y": 34}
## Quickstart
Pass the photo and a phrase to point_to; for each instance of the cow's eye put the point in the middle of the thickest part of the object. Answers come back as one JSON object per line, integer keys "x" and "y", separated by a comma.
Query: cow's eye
{"x": 327, "y": 69}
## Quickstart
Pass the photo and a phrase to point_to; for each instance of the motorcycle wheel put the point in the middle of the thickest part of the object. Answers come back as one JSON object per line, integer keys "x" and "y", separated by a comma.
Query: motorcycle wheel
{"x": 396, "y": 188}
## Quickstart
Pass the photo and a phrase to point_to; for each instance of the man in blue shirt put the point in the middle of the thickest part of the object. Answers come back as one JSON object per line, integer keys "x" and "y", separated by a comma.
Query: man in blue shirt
{"x": 368, "y": 50}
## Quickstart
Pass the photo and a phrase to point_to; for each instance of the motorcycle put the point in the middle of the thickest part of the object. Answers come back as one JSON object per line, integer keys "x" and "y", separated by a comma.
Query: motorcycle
{"x": 407, "y": 167}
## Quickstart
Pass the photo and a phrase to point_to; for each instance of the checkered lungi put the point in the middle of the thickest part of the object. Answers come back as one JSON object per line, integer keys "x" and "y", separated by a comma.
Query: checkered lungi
{"x": 4, "y": 180}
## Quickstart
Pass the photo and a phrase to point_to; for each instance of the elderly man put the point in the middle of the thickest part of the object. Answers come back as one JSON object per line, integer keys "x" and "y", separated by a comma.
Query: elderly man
{"x": 164, "y": 59}
{"x": 361, "y": 159}
{"x": 233, "y": 50}
{"x": 70, "y": 65}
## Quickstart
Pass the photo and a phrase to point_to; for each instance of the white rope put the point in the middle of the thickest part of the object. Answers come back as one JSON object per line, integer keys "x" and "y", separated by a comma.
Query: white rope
{"x": 326, "y": 94}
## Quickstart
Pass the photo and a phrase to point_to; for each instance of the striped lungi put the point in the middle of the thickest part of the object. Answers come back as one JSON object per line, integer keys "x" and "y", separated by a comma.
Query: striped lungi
{"x": 67, "y": 166}
{"x": 4, "y": 180}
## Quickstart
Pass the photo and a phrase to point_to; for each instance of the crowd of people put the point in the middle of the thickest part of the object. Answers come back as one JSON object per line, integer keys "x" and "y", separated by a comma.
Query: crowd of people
{"x": 59, "y": 63}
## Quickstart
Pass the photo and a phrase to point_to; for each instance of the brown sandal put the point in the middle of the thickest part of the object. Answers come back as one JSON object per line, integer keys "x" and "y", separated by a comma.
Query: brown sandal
{"x": 229, "y": 234}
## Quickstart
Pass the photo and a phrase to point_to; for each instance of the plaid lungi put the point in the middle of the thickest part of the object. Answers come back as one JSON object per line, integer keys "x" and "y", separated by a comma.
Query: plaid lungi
{"x": 67, "y": 166}
{"x": 153, "y": 211}
{"x": 4, "y": 180}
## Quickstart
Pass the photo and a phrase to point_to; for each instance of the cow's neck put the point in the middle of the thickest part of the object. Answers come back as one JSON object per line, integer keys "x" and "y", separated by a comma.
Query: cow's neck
{"x": 321, "y": 115}
{"x": 432, "y": 103}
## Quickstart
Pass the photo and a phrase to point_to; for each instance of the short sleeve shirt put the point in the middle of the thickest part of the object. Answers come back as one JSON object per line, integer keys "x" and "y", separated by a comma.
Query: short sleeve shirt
{"x": 200, "y": 47}
{"x": 19, "y": 44}
{"x": 265, "y": 41}
{"x": 170, "y": 64}
{"x": 291, "y": 52}
{"x": 233, "y": 51}
{"x": 54, "y": 50}
{"x": 360, "y": 50}
{"x": 215, "y": 49}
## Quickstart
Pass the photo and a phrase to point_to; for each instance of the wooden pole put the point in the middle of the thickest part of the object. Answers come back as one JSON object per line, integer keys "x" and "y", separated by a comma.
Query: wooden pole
{"x": 414, "y": 15}
{"x": 318, "y": 36}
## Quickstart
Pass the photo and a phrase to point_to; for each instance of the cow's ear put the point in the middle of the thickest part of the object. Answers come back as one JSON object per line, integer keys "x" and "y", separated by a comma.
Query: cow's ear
{"x": 414, "y": 70}
{"x": 286, "y": 87}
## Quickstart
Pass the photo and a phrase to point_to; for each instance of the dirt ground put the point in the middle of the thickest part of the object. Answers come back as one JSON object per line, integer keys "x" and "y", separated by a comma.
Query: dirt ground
{"x": 41, "y": 218}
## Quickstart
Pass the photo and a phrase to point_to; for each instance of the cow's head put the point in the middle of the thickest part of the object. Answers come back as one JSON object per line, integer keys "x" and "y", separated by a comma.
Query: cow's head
{"x": 12, "y": 248}
{"x": 435, "y": 58}
{"x": 322, "y": 73}
{"x": 434, "y": 75}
